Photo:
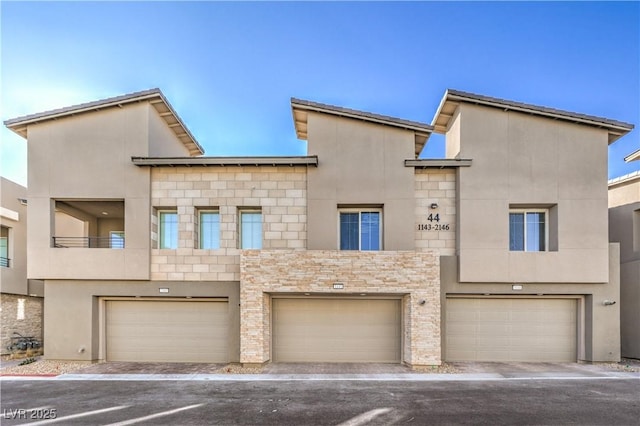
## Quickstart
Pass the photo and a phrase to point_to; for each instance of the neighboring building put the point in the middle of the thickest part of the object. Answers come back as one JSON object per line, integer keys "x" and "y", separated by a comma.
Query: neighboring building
{"x": 624, "y": 227}
{"x": 357, "y": 252}
{"x": 20, "y": 300}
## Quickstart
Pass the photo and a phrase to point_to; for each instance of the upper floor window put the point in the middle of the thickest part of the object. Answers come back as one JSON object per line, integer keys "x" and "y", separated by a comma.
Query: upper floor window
{"x": 360, "y": 229}
{"x": 168, "y": 229}
{"x": 116, "y": 239}
{"x": 250, "y": 229}
{"x": 209, "y": 229}
{"x": 4, "y": 247}
{"x": 528, "y": 229}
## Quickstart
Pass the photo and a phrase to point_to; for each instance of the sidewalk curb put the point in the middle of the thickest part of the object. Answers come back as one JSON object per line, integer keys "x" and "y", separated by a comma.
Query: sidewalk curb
{"x": 317, "y": 377}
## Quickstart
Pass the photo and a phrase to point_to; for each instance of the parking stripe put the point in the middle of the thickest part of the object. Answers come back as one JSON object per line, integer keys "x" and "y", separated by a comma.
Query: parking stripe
{"x": 365, "y": 418}
{"x": 154, "y": 416}
{"x": 77, "y": 416}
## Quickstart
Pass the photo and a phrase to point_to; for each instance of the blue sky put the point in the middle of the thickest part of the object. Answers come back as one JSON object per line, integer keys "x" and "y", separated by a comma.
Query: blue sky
{"x": 229, "y": 69}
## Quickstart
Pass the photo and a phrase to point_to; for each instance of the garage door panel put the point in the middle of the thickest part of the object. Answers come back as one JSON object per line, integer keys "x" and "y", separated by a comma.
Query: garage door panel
{"x": 336, "y": 330}
{"x": 170, "y": 331}
{"x": 517, "y": 330}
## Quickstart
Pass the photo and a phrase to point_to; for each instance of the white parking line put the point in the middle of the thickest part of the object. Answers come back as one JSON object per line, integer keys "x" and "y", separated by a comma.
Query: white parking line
{"x": 365, "y": 418}
{"x": 77, "y": 416}
{"x": 154, "y": 416}
{"x": 7, "y": 412}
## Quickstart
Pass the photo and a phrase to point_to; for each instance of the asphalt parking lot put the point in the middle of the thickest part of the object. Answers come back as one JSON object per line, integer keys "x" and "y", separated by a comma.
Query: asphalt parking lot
{"x": 583, "y": 401}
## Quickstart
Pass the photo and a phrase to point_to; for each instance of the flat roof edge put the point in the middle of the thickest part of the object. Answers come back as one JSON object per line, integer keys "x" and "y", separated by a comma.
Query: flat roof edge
{"x": 437, "y": 163}
{"x": 311, "y": 160}
{"x": 630, "y": 177}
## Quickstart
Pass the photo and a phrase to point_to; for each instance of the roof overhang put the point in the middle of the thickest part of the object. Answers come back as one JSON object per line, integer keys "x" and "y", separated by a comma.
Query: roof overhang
{"x": 300, "y": 109}
{"x": 439, "y": 163}
{"x": 633, "y": 156}
{"x": 453, "y": 98}
{"x": 311, "y": 160}
{"x": 153, "y": 96}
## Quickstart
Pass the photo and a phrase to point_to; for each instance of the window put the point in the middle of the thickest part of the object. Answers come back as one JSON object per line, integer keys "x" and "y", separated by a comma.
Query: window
{"x": 209, "y": 230}
{"x": 168, "y": 229}
{"x": 360, "y": 229}
{"x": 250, "y": 229}
{"x": 4, "y": 247}
{"x": 116, "y": 239}
{"x": 528, "y": 230}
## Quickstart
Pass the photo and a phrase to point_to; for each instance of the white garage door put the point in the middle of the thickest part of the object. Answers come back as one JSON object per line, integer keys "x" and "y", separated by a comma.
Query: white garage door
{"x": 167, "y": 331}
{"x": 336, "y": 330}
{"x": 511, "y": 330}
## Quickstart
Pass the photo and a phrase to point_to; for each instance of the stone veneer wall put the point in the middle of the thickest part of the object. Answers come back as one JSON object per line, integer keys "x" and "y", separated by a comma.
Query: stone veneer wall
{"x": 413, "y": 275}
{"x": 280, "y": 192}
{"x": 436, "y": 186}
{"x": 30, "y": 325}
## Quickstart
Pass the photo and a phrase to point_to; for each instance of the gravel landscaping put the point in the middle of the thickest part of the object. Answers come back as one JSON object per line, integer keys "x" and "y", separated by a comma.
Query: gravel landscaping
{"x": 50, "y": 367}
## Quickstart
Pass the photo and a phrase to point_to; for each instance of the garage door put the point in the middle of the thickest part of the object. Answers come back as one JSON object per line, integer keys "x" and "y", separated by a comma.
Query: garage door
{"x": 336, "y": 330}
{"x": 511, "y": 330}
{"x": 169, "y": 331}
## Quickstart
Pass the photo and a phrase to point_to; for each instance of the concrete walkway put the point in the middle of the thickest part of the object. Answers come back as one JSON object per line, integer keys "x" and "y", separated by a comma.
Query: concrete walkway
{"x": 116, "y": 371}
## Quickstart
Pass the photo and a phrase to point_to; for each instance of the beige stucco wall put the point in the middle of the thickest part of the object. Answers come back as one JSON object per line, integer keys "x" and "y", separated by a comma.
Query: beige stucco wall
{"x": 598, "y": 333}
{"x": 414, "y": 276}
{"x": 74, "y": 312}
{"x": 360, "y": 163}
{"x": 14, "y": 278}
{"x": 624, "y": 228}
{"x": 435, "y": 186}
{"x": 280, "y": 193}
{"x": 88, "y": 156}
{"x": 529, "y": 161}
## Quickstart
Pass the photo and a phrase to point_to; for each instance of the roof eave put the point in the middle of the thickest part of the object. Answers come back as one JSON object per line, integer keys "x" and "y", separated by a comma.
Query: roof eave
{"x": 633, "y": 156}
{"x": 19, "y": 124}
{"x": 440, "y": 122}
{"x": 300, "y": 109}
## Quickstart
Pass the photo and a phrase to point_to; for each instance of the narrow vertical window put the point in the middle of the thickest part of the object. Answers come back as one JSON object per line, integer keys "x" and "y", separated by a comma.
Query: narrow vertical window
{"x": 209, "y": 230}
{"x": 349, "y": 231}
{"x": 250, "y": 229}
{"x": 4, "y": 246}
{"x": 360, "y": 229}
{"x": 528, "y": 230}
{"x": 168, "y": 229}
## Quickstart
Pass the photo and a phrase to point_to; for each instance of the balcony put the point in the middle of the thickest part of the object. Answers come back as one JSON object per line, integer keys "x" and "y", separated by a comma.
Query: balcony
{"x": 115, "y": 241}
{"x": 88, "y": 224}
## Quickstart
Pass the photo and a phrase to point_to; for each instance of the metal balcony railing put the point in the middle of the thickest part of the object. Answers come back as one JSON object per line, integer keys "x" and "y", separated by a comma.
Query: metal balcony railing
{"x": 88, "y": 242}
{"x": 5, "y": 262}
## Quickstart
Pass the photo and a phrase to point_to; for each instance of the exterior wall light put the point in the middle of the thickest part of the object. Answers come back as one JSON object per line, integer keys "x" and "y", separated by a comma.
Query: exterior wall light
{"x": 609, "y": 302}
{"x": 434, "y": 206}
{"x": 422, "y": 302}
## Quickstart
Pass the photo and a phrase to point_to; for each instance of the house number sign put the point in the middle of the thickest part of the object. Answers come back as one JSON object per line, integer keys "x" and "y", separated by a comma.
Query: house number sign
{"x": 431, "y": 226}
